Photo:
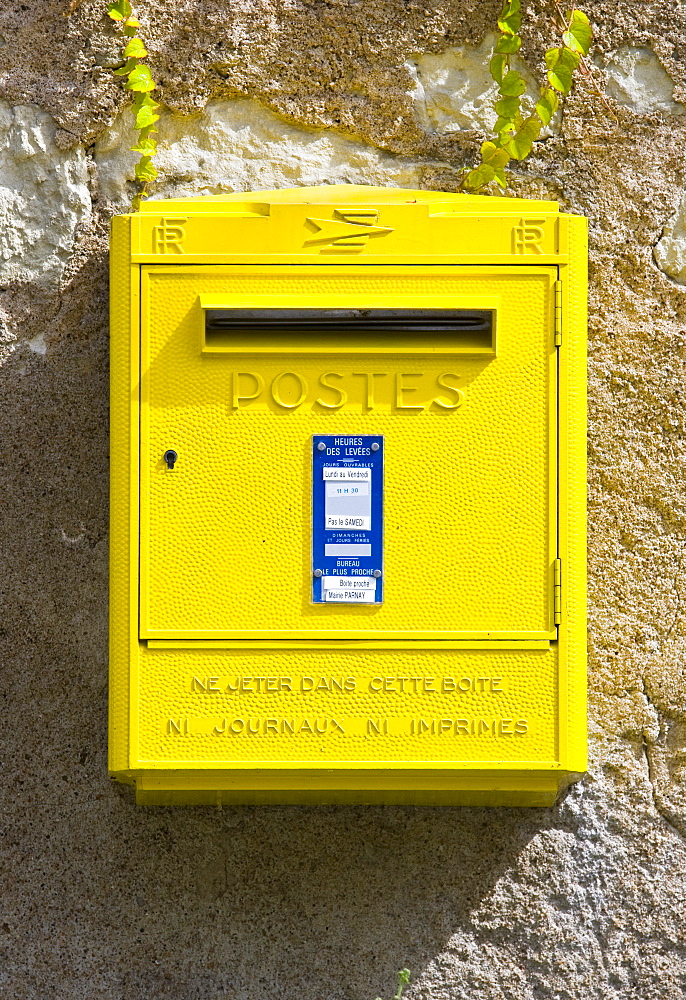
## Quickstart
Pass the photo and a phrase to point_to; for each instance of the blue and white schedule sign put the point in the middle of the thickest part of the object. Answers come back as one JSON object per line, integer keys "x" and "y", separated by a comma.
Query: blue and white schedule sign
{"x": 347, "y": 519}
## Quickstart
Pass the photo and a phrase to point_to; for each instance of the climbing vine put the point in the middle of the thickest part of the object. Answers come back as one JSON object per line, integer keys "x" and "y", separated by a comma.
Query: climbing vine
{"x": 519, "y": 122}
{"x": 515, "y": 130}
{"x": 139, "y": 80}
{"x": 403, "y": 980}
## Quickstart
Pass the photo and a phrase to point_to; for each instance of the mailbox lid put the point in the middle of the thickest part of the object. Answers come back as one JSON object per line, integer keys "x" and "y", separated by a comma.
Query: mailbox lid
{"x": 469, "y": 441}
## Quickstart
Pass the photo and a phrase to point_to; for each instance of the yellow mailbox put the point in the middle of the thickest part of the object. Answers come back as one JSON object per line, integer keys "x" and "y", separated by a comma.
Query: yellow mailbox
{"x": 348, "y": 487}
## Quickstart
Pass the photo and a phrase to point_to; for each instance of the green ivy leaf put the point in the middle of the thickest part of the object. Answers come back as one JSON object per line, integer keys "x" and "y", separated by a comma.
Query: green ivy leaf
{"x": 144, "y": 108}
{"x": 561, "y": 64}
{"x": 579, "y": 34}
{"x": 547, "y": 105}
{"x": 510, "y": 25}
{"x": 145, "y": 131}
{"x": 508, "y": 43}
{"x": 144, "y": 170}
{"x": 129, "y": 67}
{"x": 130, "y": 26}
{"x": 501, "y": 178}
{"x": 119, "y": 10}
{"x": 479, "y": 177}
{"x": 497, "y": 66}
{"x": 504, "y": 125}
{"x": 144, "y": 101}
{"x": 507, "y": 107}
{"x": 145, "y": 118}
{"x": 135, "y": 49}
{"x": 145, "y": 146}
{"x": 510, "y": 19}
{"x": 519, "y": 146}
{"x": 513, "y": 84}
{"x": 500, "y": 159}
{"x": 495, "y": 156}
{"x": 140, "y": 79}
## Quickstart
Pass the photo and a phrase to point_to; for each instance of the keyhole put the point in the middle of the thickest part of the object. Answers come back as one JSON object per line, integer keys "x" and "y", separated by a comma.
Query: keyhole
{"x": 170, "y": 458}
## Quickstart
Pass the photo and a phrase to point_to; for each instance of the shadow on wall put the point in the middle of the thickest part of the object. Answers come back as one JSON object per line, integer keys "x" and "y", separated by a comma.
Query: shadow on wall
{"x": 328, "y": 901}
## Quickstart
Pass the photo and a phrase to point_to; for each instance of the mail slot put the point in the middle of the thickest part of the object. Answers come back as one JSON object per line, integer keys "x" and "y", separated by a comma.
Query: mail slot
{"x": 358, "y": 331}
{"x": 347, "y": 537}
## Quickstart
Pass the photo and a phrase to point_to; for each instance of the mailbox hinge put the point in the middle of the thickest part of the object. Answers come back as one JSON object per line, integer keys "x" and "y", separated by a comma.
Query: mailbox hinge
{"x": 557, "y": 591}
{"x": 558, "y": 313}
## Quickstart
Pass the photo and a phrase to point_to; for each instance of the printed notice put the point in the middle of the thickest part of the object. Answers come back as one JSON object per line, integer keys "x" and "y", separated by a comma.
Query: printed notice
{"x": 348, "y": 473}
{"x": 349, "y": 583}
{"x": 350, "y": 596}
{"x": 350, "y": 521}
{"x": 347, "y": 519}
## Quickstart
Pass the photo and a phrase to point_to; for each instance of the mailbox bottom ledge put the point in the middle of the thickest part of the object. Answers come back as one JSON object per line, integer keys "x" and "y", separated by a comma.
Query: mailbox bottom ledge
{"x": 300, "y": 787}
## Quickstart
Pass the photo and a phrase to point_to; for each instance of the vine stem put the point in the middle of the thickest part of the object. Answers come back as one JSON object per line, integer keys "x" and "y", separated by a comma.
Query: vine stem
{"x": 585, "y": 66}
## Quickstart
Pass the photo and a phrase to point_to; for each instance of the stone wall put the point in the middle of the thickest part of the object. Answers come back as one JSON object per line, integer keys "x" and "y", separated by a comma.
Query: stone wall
{"x": 107, "y": 901}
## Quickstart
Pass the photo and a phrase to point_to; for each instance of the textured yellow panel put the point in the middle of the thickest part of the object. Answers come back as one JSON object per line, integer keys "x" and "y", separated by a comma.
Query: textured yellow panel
{"x": 572, "y": 491}
{"x": 331, "y": 707}
{"x": 123, "y": 473}
{"x": 359, "y": 223}
{"x": 469, "y": 488}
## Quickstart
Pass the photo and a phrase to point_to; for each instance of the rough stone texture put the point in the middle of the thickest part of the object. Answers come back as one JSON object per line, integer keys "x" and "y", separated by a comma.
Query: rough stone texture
{"x": 453, "y": 89}
{"x": 109, "y": 902}
{"x": 239, "y": 145}
{"x": 637, "y": 81}
{"x": 670, "y": 249}
{"x": 43, "y": 196}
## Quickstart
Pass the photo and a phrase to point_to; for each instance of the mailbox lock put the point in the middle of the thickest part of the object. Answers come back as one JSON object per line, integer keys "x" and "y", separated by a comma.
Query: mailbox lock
{"x": 170, "y": 458}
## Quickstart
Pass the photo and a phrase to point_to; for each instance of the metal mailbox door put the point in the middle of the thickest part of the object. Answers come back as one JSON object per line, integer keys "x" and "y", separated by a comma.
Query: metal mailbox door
{"x": 469, "y": 430}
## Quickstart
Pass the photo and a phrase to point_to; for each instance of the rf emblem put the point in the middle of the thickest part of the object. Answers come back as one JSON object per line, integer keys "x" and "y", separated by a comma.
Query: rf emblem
{"x": 347, "y": 232}
{"x": 167, "y": 237}
{"x": 528, "y": 236}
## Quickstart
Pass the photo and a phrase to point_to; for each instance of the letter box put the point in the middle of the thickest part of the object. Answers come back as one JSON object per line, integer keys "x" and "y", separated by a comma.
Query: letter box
{"x": 348, "y": 486}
